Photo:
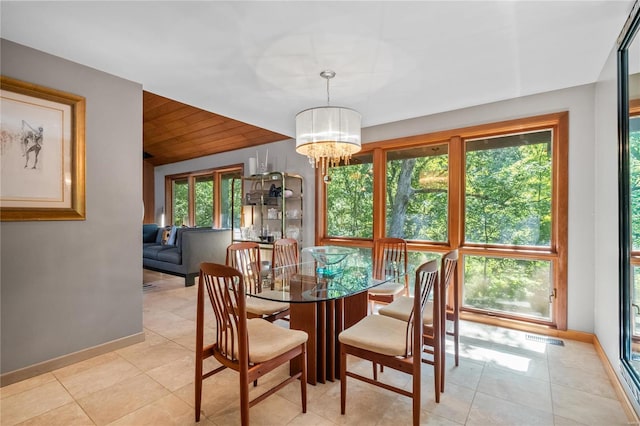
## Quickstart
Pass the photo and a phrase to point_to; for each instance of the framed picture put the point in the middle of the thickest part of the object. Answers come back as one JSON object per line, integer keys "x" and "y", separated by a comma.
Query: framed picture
{"x": 42, "y": 153}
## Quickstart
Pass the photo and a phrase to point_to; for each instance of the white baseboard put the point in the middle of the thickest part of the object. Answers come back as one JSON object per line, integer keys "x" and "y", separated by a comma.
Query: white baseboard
{"x": 72, "y": 358}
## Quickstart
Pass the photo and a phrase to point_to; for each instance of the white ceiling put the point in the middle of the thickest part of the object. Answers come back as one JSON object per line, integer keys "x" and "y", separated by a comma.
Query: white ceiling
{"x": 259, "y": 62}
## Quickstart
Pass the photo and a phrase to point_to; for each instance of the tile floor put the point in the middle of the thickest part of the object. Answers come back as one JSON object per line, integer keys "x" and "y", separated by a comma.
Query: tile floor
{"x": 503, "y": 378}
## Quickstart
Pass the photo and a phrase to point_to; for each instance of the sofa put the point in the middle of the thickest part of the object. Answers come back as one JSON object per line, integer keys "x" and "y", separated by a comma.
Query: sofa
{"x": 183, "y": 250}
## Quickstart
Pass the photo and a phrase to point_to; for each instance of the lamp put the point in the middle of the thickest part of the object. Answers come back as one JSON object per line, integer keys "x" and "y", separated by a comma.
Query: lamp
{"x": 328, "y": 135}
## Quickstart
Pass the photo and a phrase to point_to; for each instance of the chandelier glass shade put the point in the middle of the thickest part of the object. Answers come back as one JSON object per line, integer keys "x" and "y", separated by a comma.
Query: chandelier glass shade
{"x": 328, "y": 135}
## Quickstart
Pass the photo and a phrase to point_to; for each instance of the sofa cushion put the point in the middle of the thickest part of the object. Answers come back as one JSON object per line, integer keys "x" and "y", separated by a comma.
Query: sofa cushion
{"x": 170, "y": 255}
{"x": 183, "y": 229}
{"x": 149, "y": 232}
{"x": 151, "y": 251}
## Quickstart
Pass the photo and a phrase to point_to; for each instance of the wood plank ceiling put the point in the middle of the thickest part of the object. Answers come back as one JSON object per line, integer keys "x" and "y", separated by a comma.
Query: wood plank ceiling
{"x": 173, "y": 131}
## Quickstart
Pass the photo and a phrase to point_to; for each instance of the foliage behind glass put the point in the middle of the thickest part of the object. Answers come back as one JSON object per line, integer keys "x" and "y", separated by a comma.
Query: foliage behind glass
{"x": 417, "y": 193}
{"x": 508, "y": 190}
{"x": 350, "y": 200}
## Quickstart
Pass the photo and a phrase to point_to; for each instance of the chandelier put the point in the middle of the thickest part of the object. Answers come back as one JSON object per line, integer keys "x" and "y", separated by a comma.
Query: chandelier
{"x": 328, "y": 135}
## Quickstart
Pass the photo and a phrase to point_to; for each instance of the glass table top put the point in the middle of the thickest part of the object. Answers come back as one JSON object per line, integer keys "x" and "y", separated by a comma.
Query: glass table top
{"x": 312, "y": 281}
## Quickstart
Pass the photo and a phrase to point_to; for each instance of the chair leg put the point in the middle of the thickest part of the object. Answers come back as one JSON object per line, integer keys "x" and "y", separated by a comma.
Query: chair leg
{"x": 456, "y": 348}
{"x": 198, "y": 396}
{"x": 443, "y": 355}
{"x": 437, "y": 365}
{"x": 244, "y": 402}
{"x": 416, "y": 393}
{"x": 456, "y": 339}
{"x": 303, "y": 377}
{"x": 199, "y": 349}
{"x": 343, "y": 379}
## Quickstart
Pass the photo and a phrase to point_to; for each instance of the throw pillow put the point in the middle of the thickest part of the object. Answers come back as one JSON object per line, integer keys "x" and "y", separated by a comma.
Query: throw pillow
{"x": 172, "y": 236}
{"x": 165, "y": 236}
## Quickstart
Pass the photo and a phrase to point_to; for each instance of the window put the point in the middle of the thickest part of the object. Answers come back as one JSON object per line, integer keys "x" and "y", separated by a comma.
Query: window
{"x": 204, "y": 200}
{"x": 634, "y": 189}
{"x": 634, "y": 176}
{"x": 508, "y": 190}
{"x": 635, "y": 303}
{"x": 350, "y": 199}
{"x": 502, "y": 284}
{"x": 226, "y": 198}
{"x": 417, "y": 193}
{"x": 201, "y": 198}
{"x": 180, "y": 201}
{"x": 496, "y": 192}
{"x": 508, "y": 202}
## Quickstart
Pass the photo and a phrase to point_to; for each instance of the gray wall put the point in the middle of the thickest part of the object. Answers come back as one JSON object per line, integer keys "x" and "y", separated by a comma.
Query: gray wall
{"x": 607, "y": 305}
{"x": 70, "y": 285}
{"x": 606, "y": 211}
{"x": 578, "y": 101}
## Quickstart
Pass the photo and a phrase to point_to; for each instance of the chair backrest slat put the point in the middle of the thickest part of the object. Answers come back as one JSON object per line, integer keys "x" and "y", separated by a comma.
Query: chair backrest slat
{"x": 225, "y": 288}
{"x": 245, "y": 257}
{"x": 390, "y": 258}
{"x": 448, "y": 275}
{"x": 426, "y": 278}
{"x": 285, "y": 256}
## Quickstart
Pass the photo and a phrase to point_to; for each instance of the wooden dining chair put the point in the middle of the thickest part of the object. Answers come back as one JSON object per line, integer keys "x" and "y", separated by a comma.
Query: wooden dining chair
{"x": 245, "y": 257}
{"x": 252, "y": 347}
{"x": 393, "y": 343}
{"x": 389, "y": 260}
{"x": 448, "y": 306}
{"x": 285, "y": 256}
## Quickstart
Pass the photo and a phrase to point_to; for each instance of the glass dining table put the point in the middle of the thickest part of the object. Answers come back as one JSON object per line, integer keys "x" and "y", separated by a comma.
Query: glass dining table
{"x": 324, "y": 300}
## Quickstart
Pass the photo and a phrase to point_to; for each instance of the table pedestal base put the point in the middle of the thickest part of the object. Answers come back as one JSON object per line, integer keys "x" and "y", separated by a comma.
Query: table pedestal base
{"x": 323, "y": 322}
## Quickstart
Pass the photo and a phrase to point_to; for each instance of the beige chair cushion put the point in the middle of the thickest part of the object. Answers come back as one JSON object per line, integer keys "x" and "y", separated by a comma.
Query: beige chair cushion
{"x": 387, "y": 289}
{"x": 401, "y": 309}
{"x": 267, "y": 341}
{"x": 377, "y": 333}
{"x": 257, "y": 306}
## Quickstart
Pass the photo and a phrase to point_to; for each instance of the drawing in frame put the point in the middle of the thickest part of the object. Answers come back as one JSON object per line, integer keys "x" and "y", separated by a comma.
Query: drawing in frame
{"x": 42, "y": 153}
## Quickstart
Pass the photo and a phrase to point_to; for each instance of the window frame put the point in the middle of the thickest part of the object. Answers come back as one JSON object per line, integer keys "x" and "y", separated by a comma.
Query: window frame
{"x": 556, "y": 252}
{"x": 216, "y": 173}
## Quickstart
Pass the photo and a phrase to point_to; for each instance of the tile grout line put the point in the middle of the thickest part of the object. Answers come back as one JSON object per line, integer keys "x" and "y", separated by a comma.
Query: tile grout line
{"x": 75, "y": 401}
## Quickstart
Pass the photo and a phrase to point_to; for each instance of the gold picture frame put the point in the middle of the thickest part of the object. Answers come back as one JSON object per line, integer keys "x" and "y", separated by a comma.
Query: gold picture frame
{"x": 42, "y": 153}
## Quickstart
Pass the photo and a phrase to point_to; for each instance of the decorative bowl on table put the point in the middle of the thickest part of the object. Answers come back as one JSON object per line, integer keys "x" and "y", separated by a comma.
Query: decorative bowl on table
{"x": 328, "y": 259}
